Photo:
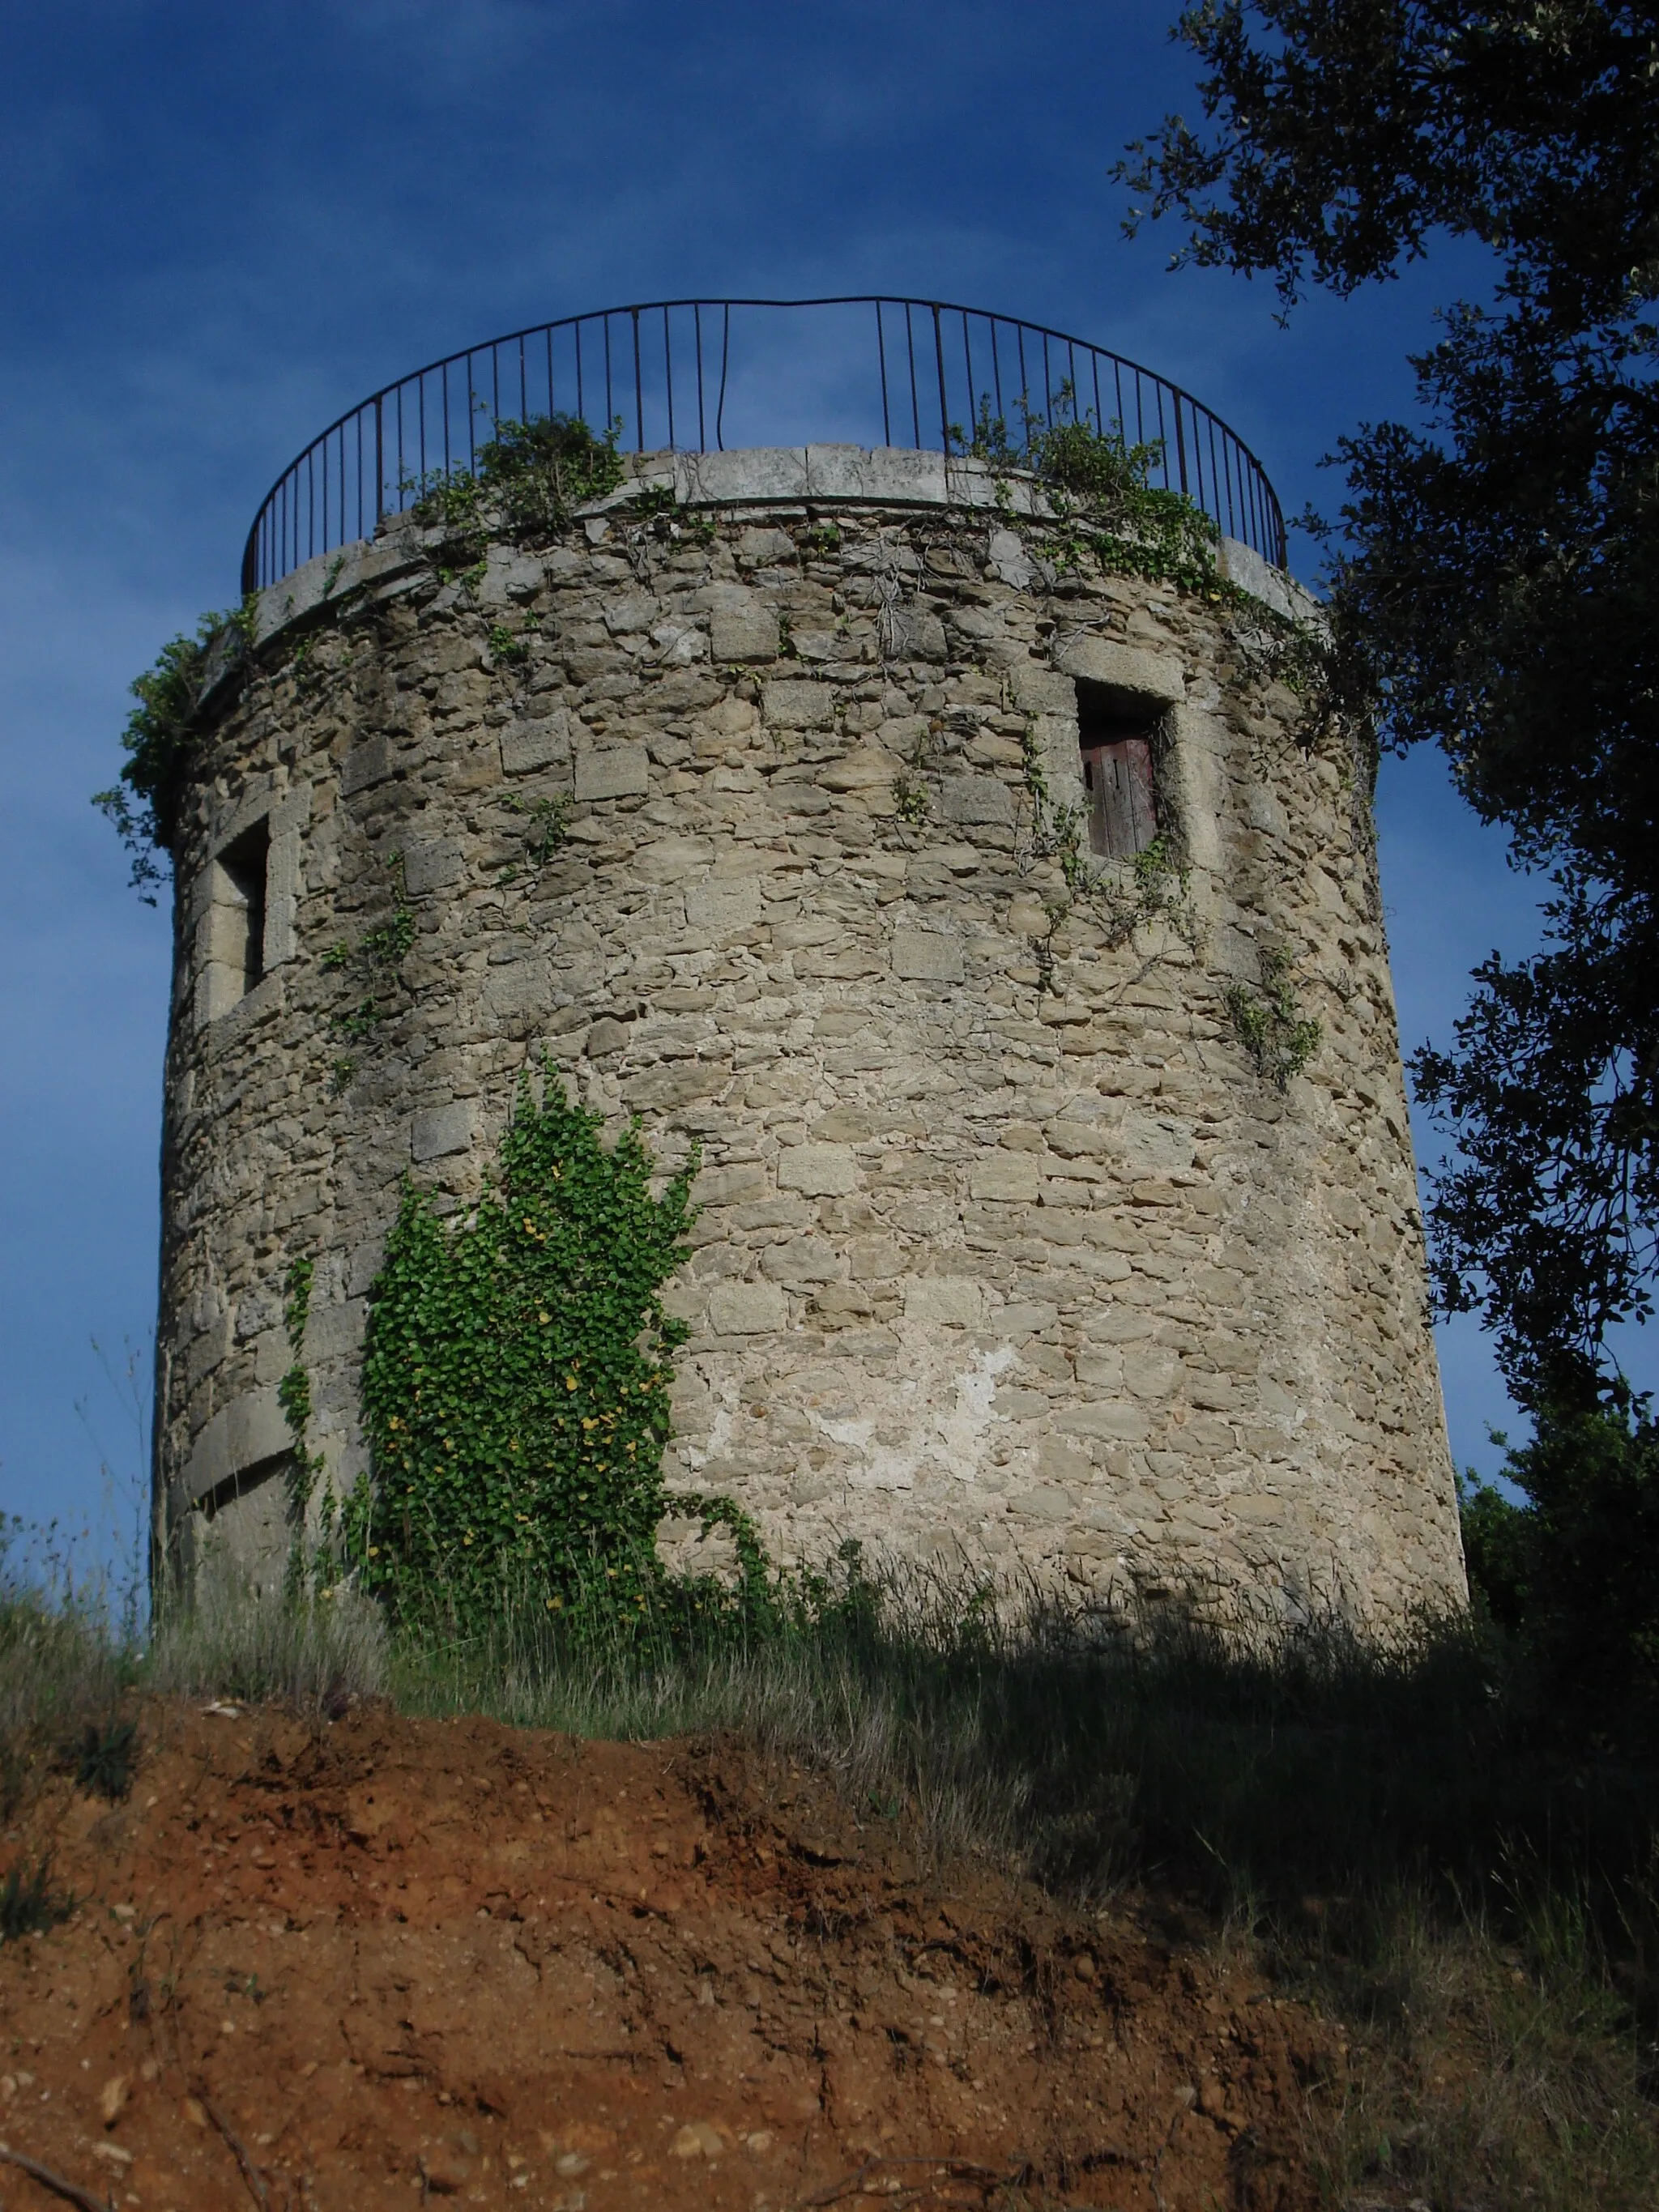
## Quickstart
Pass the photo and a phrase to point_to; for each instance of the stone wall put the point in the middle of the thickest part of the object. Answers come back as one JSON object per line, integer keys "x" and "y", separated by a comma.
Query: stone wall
{"x": 1008, "y": 1249}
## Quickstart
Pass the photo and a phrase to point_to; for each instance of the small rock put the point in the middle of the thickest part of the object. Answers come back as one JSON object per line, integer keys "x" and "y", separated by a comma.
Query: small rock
{"x": 698, "y": 2139}
{"x": 112, "y": 2098}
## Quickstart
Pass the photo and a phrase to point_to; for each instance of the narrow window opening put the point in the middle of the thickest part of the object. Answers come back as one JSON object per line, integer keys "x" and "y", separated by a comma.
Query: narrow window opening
{"x": 240, "y": 889}
{"x": 1116, "y": 733}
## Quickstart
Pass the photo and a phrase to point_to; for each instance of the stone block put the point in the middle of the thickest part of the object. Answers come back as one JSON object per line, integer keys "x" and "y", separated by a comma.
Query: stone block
{"x": 953, "y": 1301}
{"x": 1113, "y": 1419}
{"x": 438, "y": 1131}
{"x": 364, "y": 765}
{"x": 429, "y": 865}
{"x": 744, "y": 1180}
{"x": 802, "y": 1259}
{"x": 251, "y": 1429}
{"x": 521, "y": 990}
{"x": 926, "y": 956}
{"x": 747, "y": 1310}
{"x": 742, "y": 629}
{"x": 1154, "y": 679}
{"x": 1007, "y": 1176}
{"x": 612, "y": 772}
{"x": 913, "y": 634}
{"x": 817, "y": 1170}
{"x": 976, "y": 798}
{"x": 724, "y": 907}
{"x": 797, "y": 703}
{"x": 866, "y": 767}
{"x": 531, "y": 744}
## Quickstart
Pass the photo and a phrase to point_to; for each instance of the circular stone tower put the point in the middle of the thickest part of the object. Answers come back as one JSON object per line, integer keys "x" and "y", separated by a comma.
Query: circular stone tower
{"x": 981, "y": 906}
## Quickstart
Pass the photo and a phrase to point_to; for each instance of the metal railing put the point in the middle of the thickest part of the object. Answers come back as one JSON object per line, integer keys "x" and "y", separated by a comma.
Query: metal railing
{"x": 693, "y": 374}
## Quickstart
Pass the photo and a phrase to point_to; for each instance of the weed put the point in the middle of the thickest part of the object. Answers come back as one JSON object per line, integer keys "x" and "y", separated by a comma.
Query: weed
{"x": 105, "y": 1758}
{"x": 913, "y": 802}
{"x": 29, "y": 1905}
{"x": 1279, "y": 1038}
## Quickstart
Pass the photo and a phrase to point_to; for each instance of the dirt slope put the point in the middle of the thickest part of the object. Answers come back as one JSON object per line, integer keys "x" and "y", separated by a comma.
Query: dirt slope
{"x": 389, "y": 1961}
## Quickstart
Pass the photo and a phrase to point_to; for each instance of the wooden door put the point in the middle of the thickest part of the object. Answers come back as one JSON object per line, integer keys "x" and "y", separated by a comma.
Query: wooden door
{"x": 1122, "y": 807}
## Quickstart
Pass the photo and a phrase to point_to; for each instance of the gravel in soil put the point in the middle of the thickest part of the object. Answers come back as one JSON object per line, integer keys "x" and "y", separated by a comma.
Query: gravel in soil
{"x": 387, "y": 1962}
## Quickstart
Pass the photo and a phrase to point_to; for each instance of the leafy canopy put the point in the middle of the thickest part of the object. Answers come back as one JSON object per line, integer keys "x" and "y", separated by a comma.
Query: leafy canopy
{"x": 1493, "y": 577}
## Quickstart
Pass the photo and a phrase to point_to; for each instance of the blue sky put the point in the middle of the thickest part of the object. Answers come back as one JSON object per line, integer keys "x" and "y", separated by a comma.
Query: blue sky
{"x": 221, "y": 227}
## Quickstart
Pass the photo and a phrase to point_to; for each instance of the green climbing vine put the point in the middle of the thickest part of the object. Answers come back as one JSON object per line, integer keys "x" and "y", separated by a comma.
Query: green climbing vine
{"x": 377, "y": 962}
{"x": 516, "y": 1381}
{"x": 1278, "y": 1038}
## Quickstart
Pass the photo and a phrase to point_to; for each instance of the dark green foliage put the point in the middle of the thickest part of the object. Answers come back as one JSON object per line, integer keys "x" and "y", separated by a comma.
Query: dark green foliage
{"x": 532, "y": 475}
{"x": 1573, "y": 1572}
{"x": 105, "y": 1758}
{"x": 1097, "y": 481}
{"x": 1350, "y": 131}
{"x": 144, "y": 804}
{"x": 1493, "y": 581}
{"x": 29, "y": 1905}
{"x": 515, "y": 1385}
{"x": 1548, "y": 1218}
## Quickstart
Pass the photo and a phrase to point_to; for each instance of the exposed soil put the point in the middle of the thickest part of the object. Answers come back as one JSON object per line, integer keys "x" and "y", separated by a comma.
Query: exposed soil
{"x": 386, "y": 1960}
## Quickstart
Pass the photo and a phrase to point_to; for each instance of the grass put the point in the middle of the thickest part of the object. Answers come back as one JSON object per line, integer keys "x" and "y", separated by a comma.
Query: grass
{"x": 1397, "y": 1830}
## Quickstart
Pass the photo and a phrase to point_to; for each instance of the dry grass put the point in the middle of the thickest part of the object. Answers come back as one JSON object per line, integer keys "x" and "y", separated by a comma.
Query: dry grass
{"x": 1394, "y": 1832}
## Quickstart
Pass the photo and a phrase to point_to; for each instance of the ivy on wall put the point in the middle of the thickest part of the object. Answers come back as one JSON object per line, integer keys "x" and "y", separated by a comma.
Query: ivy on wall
{"x": 516, "y": 1380}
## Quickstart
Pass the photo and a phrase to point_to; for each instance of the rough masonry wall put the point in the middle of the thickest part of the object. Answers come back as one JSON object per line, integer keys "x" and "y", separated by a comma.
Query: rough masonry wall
{"x": 1027, "y": 1268}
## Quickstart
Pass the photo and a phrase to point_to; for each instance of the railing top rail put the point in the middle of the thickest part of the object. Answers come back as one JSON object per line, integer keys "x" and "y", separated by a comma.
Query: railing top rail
{"x": 931, "y": 357}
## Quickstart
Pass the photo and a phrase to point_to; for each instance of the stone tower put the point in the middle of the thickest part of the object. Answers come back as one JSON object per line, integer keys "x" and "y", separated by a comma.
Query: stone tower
{"x": 739, "y": 800}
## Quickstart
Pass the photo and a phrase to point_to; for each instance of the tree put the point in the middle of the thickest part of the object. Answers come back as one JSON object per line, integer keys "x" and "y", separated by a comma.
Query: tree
{"x": 1493, "y": 577}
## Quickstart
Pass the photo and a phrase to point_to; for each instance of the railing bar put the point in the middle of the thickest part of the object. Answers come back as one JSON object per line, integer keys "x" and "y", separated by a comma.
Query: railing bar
{"x": 881, "y": 356}
{"x": 915, "y": 397}
{"x": 581, "y": 408}
{"x": 524, "y": 386}
{"x": 696, "y": 329}
{"x": 668, "y": 375}
{"x": 939, "y": 371}
{"x": 968, "y": 364}
{"x": 1024, "y": 390}
{"x": 726, "y": 356}
{"x": 1047, "y": 386}
{"x": 996, "y": 369}
{"x": 610, "y": 405}
{"x": 1181, "y": 444}
{"x": 639, "y": 391}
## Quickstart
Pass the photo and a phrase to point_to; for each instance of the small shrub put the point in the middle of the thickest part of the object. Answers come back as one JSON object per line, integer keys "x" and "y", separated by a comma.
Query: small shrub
{"x": 105, "y": 1758}
{"x": 534, "y": 474}
{"x": 29, "y": 1905}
